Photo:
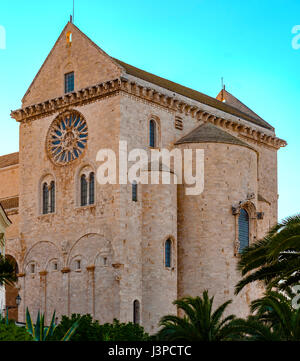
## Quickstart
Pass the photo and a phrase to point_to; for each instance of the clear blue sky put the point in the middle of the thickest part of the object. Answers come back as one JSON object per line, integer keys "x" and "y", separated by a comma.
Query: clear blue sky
{"x": 192, "y": 42}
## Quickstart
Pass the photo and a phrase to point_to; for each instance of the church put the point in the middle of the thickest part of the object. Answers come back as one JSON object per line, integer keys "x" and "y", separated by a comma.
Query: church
{"x": 127, "y": 251}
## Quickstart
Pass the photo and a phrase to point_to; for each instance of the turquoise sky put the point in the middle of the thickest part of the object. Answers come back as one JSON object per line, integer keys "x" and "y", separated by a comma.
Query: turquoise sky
{"x": 192, "y": 42}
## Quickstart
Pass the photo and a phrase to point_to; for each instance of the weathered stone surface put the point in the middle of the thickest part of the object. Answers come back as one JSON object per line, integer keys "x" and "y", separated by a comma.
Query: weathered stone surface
{"x": 120, "y": 243}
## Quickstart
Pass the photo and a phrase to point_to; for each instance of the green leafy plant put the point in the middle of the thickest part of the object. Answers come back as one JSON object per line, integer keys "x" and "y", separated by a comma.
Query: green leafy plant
{"x": 118, "y": 331}
{"x": 40, "y": 332}
{"x": 199, "y": 322}
{"x": 7, "y": 271}
{"x": 11, "y": 332}
{"x": 88, "y": 330}
{"x": 273, "y": 319}
{"x": 274, "y": 260}
{"x": 91, "y": 330}
{"x": 4, "y": 320}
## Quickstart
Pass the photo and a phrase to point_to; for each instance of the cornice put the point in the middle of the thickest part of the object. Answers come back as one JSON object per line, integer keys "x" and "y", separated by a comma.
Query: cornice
{"x": 122, "y": 84}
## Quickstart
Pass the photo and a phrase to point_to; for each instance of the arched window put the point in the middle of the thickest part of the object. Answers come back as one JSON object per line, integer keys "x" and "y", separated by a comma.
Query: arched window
{"x": 134, "y": 191}
{"x": 168, "y": 253}
{"x": 52, "y": 197}
{"x": 45, "y": 198}
{"x": 92, "y": 188}
{"x": 243, "y": 230}
{"x": 83, "y": 190}
{"x": 87, "y": 187}
{"x": 152, "y": 133}
{"x": 48, "y": 198}
{"x": 136, "y": 312}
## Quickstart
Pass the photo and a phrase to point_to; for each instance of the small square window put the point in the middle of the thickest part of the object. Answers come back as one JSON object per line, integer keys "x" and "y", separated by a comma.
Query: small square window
{"x": 69, "y": 82}
{"x": 32, "y": 268}
{"x": 55, "y": 266}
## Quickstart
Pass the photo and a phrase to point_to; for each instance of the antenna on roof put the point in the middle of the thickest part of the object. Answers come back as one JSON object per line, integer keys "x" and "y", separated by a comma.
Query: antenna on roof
{"x": 72, "y": 16}
{"x": 222, "y": 91}
{"x": 222, "y": 83}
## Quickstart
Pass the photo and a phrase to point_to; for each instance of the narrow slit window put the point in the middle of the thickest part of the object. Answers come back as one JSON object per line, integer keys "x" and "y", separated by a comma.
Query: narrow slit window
{"x": 243, "y": 230}
{"x": 136, "y": 312}
{"x": 168, "y": 251}
{"x": 52, "y": 197}
{"x": 83, "y": 190}
{"x": 152, "y": 133}
{"x": 45, "y": 198}
{"x": 134, "y": 191}
{"x": 92, "y": 189}
{"x": 69, "y": 82}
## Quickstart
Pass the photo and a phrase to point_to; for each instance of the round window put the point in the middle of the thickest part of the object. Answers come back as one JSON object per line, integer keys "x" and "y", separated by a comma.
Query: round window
{"x": 67, "y": 138}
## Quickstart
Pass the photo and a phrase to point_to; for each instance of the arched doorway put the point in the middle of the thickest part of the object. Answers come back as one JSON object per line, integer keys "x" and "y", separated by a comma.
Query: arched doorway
{"x": 11, "y": 292}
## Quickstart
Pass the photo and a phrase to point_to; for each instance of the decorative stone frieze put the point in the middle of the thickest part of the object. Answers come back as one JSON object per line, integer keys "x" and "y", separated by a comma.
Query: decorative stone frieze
{"x": 113, "y": 87}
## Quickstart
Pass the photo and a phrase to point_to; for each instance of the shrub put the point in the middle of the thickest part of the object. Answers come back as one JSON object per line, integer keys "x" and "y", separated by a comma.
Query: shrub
{"x": 11, "y": 332}
{"x": 90, "y": 330}
{"x": 123, "y": 332}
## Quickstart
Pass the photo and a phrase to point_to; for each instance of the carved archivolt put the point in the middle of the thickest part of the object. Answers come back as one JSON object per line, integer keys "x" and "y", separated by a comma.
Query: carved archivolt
{"x": 250, "y": 207}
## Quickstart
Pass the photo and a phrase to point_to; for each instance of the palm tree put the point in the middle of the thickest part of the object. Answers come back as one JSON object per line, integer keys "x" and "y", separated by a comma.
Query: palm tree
{"x": 275, "y": 319}
{"x": 199, "y": 323}
{"x": 7, "y": 271}
{"x": 275, "y": 259}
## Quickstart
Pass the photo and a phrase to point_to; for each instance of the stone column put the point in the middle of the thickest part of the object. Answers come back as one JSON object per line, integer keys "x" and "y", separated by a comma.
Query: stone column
{"x": 43, "y": 292}
{"x": 91, "y": 290}
{"x": 66, "y": 290}
{"x": 22, "y": 308}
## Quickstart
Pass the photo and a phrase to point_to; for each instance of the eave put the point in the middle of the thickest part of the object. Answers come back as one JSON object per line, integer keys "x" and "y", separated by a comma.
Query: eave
{"x": 132, "y": 88}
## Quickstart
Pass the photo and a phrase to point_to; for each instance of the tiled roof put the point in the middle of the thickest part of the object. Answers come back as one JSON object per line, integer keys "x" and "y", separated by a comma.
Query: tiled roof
{"x": 9, "y": 159}
{"x": 209, "y": 133}
{"x": 169, "y": 85}
{"x": 192, "y": 94}
{"x": 228, "y": 98}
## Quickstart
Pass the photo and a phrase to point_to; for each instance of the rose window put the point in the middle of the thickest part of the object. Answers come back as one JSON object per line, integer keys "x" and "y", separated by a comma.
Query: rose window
{"x": 67, "y": 138}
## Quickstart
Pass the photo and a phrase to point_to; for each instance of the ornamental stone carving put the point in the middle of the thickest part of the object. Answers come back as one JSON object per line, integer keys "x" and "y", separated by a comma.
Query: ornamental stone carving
{"x": 67, "y": 138}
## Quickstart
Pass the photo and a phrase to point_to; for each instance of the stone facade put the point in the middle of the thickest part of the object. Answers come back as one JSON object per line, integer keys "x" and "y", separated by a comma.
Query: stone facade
{"x": 102, "y": 258}
{"x": 4, "y": 223}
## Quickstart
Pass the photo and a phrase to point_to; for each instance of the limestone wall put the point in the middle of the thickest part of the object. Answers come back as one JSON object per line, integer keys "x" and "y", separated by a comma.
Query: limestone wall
{"x": 89, "y": 63}
{"x": 55, "y": 242}
{"x": 207, "y": 229}
{"x": 159, "y": 225}
{"x": 9, "y": 180}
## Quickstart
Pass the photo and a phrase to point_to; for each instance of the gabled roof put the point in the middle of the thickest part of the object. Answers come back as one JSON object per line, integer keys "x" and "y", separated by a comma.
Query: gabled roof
{"x": 69, "y": 26}
{"x": 228, "y": 98}
{"x": 9, "y": 159}
{"x": 195, "y": 95}
{"x": 228, "y": 107}
{"x": 209, "y": 133}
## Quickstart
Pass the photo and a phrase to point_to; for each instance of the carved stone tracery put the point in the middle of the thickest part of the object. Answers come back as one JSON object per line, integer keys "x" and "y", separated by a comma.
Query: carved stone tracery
{"x": 67, "y": 138}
